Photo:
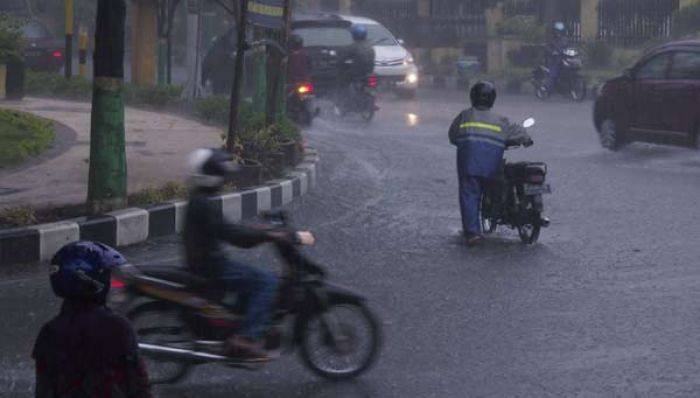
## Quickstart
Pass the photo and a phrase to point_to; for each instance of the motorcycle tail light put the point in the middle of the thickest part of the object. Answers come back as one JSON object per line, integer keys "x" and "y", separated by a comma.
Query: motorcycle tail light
{"x": 116, "y": 283}
{"x": 305, "y": 89}
{"x": 535, "y": 178}
{"x": 57, "y": 54}
{"x": 372, "y": 81}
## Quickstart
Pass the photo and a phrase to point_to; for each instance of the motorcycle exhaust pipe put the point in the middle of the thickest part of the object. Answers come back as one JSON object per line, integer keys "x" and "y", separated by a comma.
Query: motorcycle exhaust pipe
{"x": 179, "y": 354}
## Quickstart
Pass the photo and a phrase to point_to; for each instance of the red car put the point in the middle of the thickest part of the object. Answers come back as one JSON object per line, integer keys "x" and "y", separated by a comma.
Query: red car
{"x": 657, "y": 100}
{"x": 43, "y": 51}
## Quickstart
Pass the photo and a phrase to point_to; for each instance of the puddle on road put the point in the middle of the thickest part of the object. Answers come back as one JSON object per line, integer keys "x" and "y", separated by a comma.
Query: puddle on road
{"x": 412, "y": 119}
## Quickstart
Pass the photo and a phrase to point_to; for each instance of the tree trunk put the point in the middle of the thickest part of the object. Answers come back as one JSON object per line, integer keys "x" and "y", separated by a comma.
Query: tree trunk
{"x": 107, "y": 177}
{"x": 237, "y": 77}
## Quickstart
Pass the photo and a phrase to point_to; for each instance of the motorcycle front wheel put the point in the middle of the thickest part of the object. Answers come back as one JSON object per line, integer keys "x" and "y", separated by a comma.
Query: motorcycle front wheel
{"x": 541, "y": 92}
{"x": 159, "y": 323}
{"x": 578, "y": 90}
{"x": 347, "y": 348}
{"x": 530, "y": 231}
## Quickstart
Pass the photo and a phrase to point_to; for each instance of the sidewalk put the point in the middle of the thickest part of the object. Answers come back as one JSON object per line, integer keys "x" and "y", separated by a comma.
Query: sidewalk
{"x": 157, "y": 145}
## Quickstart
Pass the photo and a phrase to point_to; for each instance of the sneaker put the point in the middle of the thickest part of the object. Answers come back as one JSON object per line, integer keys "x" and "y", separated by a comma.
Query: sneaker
{"x": 239, "y": 347}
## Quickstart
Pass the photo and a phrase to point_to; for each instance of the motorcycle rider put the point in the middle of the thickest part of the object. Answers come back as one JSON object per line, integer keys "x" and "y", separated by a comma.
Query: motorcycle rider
{"x": 205, "y": 234}
{"x": 481, "y": 137}
{"x": 555, "y": 53}
{"x": 299, "y": 63}
{"x": 87, "y": 350}
{"x": 356, "y": 60}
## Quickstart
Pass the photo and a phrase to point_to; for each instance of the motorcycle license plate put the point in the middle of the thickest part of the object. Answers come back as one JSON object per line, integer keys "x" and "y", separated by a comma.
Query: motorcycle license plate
{"x": 531, "y": 189}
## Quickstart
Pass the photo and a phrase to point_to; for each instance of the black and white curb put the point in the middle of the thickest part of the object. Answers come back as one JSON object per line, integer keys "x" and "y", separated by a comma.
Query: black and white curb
{"x": 134, "y": 225}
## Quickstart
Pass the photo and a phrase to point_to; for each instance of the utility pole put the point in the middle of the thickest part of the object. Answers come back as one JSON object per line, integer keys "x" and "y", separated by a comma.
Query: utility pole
{"x": 238, "y": 76}
{"x": 69, "y": 39}
{"x": 107, "y": 178}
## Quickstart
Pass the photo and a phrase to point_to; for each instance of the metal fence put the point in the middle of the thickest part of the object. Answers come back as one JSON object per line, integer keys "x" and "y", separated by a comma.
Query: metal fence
{"x": 450, "y": 22}
{"x": 632, "y": 22}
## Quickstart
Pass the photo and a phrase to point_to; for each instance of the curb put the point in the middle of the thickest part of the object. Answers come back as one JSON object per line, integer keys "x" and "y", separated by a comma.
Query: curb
{"x": 135, "y": 225}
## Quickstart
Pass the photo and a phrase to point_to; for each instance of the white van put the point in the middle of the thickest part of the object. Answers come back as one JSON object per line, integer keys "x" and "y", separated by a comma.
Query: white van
{"x": 394, "y": 65}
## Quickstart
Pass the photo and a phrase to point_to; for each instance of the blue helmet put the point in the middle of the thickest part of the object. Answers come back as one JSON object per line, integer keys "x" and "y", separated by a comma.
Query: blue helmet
{"x": 82, "y": 271}
{"x": 359, "y": 32}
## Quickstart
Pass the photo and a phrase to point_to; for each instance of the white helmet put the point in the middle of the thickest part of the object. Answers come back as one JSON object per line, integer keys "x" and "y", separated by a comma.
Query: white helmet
{"x": 209, "y": 168}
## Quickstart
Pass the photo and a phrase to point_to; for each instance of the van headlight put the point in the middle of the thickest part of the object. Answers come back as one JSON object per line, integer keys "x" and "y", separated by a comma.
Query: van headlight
{"x": 408, "y": 60}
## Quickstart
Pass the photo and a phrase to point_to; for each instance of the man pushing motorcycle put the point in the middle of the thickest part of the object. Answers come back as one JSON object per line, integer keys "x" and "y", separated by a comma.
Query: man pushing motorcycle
{"x": 205, "y": 235}
{"x": 480, "y": 137}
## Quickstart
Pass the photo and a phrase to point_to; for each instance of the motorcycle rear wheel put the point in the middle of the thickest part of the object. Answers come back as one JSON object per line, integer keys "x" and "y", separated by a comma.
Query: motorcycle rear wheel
{"x": 161, "y": 324}
{"x": 541, "y": 92}
{"x": 530, "y": 232}
{"x": 317, "y": 338}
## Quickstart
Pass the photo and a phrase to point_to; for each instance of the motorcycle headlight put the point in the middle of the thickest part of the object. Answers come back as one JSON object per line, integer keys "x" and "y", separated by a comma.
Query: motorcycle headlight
{"x": 570, "y": 52}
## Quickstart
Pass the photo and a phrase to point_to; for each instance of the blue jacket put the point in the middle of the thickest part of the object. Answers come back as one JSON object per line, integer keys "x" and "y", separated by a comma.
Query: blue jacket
{"x": 481, "y": 137}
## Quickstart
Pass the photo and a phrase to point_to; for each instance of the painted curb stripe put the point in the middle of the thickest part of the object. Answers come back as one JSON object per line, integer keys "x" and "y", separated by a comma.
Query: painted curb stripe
{"x": 249, "y": 204}
{"x": 20, "y": 245}
{"x": 52, "y": 237}
{"x": 232, "y": 207}
{"x": 162, "y": 220}
{"x": 180, "y": 213}
{"x": 276, "y": 196}
{"x": 99, "y": 229}
{"x": 264, "y": 199}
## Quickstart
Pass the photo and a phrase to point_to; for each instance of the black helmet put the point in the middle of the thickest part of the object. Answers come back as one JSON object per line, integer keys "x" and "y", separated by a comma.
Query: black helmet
{"x": 296, "y": 42}
{"x": 210, "y": 168}
{"x": 483, "y": 95}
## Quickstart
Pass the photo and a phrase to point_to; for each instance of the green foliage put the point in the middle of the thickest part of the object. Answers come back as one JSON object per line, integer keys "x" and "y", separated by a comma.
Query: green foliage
{"x": 22, "y": 135}
{"x": 524, "y": 27}
{"x": 159, "y": 96}
{"x": 153, "y": 195}
{"x": 18, "y": 216}
{"x": 214, "y": 110}
{"x": 686, "y": 21}
{"x": 599, "y": 54}
{"x": 55, "y": 85}
{"x": 11, "y": 43}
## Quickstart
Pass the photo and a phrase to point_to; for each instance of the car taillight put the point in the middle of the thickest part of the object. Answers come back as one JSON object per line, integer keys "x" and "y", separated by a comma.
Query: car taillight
{"x": 305, "y": 89}
{"x": 372, "y": 81}
{"x": 57, "y": 54}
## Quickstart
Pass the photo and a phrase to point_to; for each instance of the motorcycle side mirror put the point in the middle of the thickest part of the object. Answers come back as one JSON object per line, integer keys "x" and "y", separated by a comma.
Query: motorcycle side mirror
{"x": 529, "y": 122}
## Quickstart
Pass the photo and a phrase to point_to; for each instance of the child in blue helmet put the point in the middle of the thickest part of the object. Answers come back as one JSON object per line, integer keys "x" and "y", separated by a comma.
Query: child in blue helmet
{"x": 87, "y": 350}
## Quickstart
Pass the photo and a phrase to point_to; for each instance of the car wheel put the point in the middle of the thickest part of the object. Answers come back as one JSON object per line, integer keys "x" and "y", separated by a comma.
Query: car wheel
{"x": 610, "y": 134}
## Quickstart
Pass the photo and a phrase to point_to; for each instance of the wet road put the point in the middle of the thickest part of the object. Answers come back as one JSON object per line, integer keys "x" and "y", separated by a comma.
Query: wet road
{"x": 606, "y": 304}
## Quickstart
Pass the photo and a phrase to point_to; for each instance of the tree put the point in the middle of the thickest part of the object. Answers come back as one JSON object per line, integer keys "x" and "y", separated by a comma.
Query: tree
{"x": 166, "y": 17}
{"x": 107, "y": 178}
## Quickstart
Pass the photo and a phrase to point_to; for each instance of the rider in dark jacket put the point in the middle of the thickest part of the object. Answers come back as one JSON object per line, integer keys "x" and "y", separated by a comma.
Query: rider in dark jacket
{"x": 299, "y": 63}
{"x": 87, "y": 351}
{"x": 205, "y": 235}
{"x": 358, "y": 58}
{"x": 480, "y": 137}
{"x": 555, "y": 53}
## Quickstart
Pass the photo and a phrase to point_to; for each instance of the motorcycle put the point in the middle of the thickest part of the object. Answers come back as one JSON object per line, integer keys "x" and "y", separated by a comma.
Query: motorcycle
{"x": 570, "y": 81}
{"x": 300, "y": 104}
{"x": 358, "y": 98}
{"x": 517, "y": 200}
{"x": 182, "y": 320}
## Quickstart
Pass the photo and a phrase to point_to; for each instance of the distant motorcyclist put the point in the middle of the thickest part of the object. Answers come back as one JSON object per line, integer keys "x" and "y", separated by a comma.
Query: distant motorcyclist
{"x": 299, "y": 62}
{"x": 205, "y": 235}
{"x": 555, "y": 53}
{"x": 87, "y": 351}
{"x": 480, "y": 137}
